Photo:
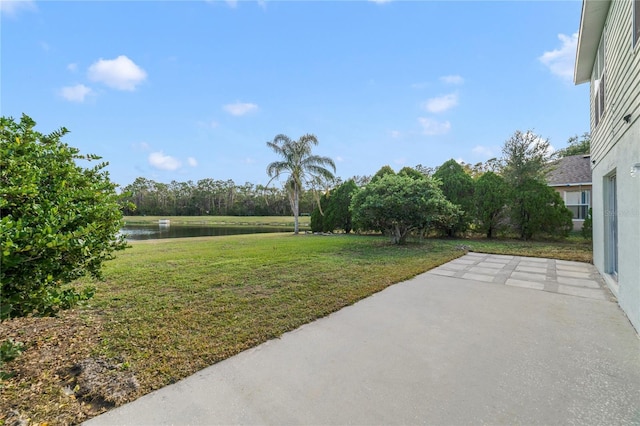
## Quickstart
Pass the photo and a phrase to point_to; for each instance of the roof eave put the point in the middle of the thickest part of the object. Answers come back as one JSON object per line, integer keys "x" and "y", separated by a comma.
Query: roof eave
{"x": 570, "y": 184}
{"x": 592, "y": 20}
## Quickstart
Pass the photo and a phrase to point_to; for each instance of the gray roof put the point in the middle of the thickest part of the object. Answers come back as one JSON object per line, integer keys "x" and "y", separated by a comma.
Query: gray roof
{"x": 570, "y": 170}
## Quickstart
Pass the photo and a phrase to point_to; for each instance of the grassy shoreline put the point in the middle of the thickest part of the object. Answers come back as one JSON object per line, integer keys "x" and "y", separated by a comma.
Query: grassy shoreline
{"x": 168, "y": 308}
{"x": 304, "y": 221}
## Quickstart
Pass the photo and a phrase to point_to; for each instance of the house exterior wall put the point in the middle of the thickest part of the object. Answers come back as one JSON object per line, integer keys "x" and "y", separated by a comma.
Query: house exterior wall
{"x": 562, "y": 190}
{"x": 615, "y": 149}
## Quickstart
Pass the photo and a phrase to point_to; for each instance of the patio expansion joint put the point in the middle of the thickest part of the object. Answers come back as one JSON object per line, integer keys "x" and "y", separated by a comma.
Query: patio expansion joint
{"x": 504, "y": 274}
{"x": 465, "y": 270}
{"x": 551, "y": 284}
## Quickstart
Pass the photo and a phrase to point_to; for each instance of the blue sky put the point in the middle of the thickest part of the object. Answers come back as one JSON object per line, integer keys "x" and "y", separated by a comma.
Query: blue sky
{"x": 191, "y": 90}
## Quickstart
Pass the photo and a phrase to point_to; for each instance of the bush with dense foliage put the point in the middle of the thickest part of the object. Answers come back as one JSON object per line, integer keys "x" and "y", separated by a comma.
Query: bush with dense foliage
{"x": 317, "y": 223}
{"x": 457, "y": 187}
{"x": 490, "y": 200}
{"x": 534, "y": 207}
{"x": 538, "y": 209}
{"x": 399, "y": 205}
{"x": 337, "y": 215}
{"x": 58, "y": 221}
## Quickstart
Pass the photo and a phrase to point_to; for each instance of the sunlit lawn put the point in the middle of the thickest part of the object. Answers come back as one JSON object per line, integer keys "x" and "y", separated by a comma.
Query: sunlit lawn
{"x": 168, "y": 308}
{"x": 177, "y": 306}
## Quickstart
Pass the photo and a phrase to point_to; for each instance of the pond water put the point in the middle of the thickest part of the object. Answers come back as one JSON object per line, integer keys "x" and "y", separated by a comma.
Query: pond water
{"x": 150, "y": 232}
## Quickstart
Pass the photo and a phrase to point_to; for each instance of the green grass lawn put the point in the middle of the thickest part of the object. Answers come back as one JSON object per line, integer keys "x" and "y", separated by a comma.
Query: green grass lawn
{"x": 175, "y": 307}
{"x": 168, "y": 308}
{"x": 573, "y": 248}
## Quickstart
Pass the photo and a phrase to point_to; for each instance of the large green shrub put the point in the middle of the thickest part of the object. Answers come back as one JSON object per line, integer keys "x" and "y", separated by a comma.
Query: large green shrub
{"x": 58, "y": 221}
{"x": 337, "y": 214}
{"x": 490, "y": 199}
{"x": 538, "y": 209}
{"x": 318, "y": 215}
{"x": 457, "y": 187}
{"x": 399, "y": 205}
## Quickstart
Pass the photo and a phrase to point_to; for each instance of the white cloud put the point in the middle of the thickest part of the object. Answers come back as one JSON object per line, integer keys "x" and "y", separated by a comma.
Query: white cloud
{"x": 192, "y": 162}
{"x": 483, "y": 151}
{"x": 232, "y": 3}
{"x": 339, "y": 159}
{"x": 452, "y": 79}
{"x": 72, "y": 67}
{"x": 561, "y": 61}
{"x": 141, "y": 146}
{"x": 240, "y": 108}
{"x": 400, "y": 161}
{"x": 120, "y": 73}
{"x": 395, "y": 134}
{"x": 441, "y": 103}
{"x": 380, "y": 1}
{"x": 76, "y": 93}
{"x": 433, "y": 127}
{"x": 163, "y": 162}
{"x": 13, "y": 8}
{"x": 249, "y": 160}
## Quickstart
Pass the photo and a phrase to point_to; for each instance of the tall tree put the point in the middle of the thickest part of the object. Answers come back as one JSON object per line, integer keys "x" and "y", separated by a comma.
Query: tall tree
{"x": 318, "y": 219}
{"x": 576, "y": 146}
{"x": 525, "y": 156}
{"x": 337, "y": 214}
{"x": 457, "y": 186}
{"x": 302, "y": 167}
{"x": 384, "y": 171}
{"x": 490, "y": 199}
{"x": 411, "y": 172}
{"x": 534, "y": 207}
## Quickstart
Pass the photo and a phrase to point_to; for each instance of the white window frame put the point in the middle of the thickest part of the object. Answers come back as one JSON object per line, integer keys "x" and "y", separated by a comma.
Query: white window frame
{"x": 584, "y": 204}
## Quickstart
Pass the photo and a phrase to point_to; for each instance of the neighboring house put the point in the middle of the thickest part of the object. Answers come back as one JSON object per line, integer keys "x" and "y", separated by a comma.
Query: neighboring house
{"x": 571, "y": 177}
{"x": 608, "y": 57}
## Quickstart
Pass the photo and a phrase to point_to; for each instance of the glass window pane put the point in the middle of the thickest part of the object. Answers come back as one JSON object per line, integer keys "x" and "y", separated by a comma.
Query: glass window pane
{"x": 572, "y": 197}
{"x": 575, "y": 210}
{"x": 584, "y": 210}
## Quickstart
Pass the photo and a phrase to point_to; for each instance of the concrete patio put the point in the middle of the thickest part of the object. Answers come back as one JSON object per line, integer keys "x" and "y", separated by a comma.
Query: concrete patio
{"x": 484, "y": 339}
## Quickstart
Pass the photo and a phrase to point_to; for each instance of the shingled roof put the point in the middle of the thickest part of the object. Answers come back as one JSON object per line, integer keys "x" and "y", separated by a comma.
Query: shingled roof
{"x": 570, "y": 170}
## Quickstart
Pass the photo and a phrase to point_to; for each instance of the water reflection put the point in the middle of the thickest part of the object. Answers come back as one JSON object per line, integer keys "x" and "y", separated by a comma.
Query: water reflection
{"x": 155, "y": 231}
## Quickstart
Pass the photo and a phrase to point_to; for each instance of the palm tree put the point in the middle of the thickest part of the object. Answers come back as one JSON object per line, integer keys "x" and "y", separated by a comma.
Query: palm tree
{"x": 301, "y": 166}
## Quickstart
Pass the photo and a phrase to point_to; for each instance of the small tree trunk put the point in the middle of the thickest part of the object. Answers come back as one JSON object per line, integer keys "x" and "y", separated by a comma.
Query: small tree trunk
{"x": 296, "y": 209}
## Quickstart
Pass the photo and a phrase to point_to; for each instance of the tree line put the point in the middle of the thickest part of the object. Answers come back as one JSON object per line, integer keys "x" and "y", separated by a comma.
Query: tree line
{"x": 503, "y": 195}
